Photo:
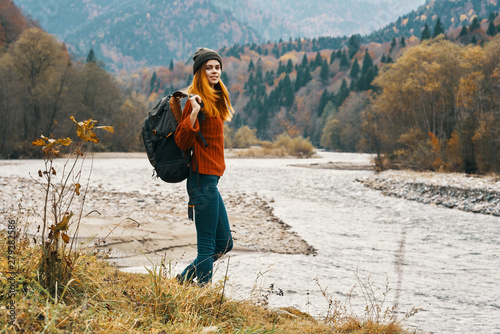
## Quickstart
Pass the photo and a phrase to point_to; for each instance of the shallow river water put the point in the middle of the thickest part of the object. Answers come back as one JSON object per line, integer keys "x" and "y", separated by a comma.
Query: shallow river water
{"x": 444, "y": 261}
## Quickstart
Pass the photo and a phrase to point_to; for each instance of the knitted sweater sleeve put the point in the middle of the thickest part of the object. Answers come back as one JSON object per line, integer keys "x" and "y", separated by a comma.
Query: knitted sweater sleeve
{"x": 185, "y": 135}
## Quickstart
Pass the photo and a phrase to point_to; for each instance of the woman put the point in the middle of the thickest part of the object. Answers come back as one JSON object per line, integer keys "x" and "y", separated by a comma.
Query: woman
{"x": 212, "y": 226}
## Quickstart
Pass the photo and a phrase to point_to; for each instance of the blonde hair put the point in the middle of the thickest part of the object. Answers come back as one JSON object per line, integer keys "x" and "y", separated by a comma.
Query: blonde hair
{"x": 215, "y": 100}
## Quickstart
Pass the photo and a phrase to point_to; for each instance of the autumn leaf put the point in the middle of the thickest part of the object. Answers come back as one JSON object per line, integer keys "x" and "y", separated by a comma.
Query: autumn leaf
{"x": 65, "y": 237}
{"x": 106, "y": 128}
{"x": 77, "y": 188}
{"x": 40, "y": 173}
{"x": 38, "y": 142}
{"x": 84, "y": 130}
{"x": 63, "y": 225}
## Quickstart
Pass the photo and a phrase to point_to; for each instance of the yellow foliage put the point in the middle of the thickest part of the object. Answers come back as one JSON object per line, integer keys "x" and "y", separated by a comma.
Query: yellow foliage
{"x": 84, "y": 130}
{"x": 423, "y": 18}
{"x": 463, "y": 17}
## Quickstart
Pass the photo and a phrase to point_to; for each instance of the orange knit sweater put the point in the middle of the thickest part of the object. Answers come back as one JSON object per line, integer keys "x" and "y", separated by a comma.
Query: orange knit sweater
{"x": 210, "y": 159}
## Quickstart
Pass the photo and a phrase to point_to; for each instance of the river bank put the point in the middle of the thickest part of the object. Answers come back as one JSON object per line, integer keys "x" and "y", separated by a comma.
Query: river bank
{"x": 135, "y": 219}
{"x": 471, "y": 193}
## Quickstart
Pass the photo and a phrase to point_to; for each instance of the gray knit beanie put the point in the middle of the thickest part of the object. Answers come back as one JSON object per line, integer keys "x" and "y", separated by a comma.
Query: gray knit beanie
{"x": 202, "y": 55}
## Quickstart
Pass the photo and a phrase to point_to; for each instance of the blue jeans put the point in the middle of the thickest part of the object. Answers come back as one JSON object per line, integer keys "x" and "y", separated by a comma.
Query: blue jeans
{"x": 212, "y": 226}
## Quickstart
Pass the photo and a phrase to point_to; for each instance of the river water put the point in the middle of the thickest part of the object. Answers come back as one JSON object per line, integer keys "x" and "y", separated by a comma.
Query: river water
{"x": 444, "y": 261}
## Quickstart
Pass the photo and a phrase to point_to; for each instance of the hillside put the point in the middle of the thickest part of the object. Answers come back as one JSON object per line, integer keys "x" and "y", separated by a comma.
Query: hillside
{"x": 453, "y": 15}
{"x": 12, "y": 22}
{"x": 128, "y": 34}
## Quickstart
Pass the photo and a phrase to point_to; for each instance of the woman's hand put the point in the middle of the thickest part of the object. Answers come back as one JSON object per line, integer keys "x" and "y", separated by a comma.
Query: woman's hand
{"x": 195, "y": 104}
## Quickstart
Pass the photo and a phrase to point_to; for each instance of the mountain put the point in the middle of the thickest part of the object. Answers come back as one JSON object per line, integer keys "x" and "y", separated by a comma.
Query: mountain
{"x": 275, "y": 19}
{"x": 132, "y": 33}
{"x": 296, "y": 85}
{"x": 453, "y": 15}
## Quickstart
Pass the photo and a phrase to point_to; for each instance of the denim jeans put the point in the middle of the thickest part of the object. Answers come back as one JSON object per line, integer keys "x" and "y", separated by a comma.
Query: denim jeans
{"x": 212, "y": 226}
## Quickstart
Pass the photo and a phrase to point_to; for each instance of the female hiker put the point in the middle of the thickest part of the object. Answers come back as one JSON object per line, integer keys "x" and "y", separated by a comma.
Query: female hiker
{"x": 207, "y": 95}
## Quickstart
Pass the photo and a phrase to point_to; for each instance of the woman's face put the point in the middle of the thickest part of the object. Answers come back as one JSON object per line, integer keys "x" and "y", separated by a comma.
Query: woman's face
{"x": 213, "y": 71}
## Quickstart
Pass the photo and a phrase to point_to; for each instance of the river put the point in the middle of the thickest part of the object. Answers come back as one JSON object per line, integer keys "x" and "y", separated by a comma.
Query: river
{"x": 444, "y": 261}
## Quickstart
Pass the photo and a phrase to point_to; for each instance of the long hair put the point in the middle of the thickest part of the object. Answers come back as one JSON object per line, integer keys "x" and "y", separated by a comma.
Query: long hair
{"x": 215, "y": 100}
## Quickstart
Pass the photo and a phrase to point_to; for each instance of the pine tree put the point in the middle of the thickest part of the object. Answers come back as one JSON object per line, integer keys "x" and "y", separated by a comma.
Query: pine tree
{"x": 353, "y": 45}
{"x": 276, "y": 51}
{"x": 304, "y": 61}
{"x": 287, "y": 91}
{"x": 426, "y": 33}
{"x": 318, "y": 61}
{"x": 355, "y": 69}
{"x": 325, "y": 72}
{"x": 171, "y": 66}
{"x": 438, "y": 28}
{"x": 251, "y": 66}
{"x": 299, "y": 45}
{"x": 367, "y": 63}
{"x": 463, "y": 32}
{"x": 224, "y": 78}
{"x": 473, "y": 40}
{"x": 492, "y": 30}
{"x": 281, "y": 68}
{"x": 91, "y": 57}
{"x": 289, "y": 66}
{"x": 152, "y": 82}
{"x": 323, "y": 100}
{"x": 474, "y": 25}
{"x": 269, "y": 77}
{"x": 344, "y": 61}
{"x": 403, "y": 42}
{"x": 343, "y": 93}
{"x": 332, "y": 57}
{"x": 393, "y": 44}
{"x": 492, "y": 16}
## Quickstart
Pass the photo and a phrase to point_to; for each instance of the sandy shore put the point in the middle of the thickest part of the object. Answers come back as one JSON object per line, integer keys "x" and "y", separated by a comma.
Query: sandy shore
{"x": 134, "y": 226}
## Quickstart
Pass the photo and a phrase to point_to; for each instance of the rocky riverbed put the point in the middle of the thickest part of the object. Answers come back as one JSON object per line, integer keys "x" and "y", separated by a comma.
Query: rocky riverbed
{"x": 478, "y": 194}
{"x": 144, "y": 219}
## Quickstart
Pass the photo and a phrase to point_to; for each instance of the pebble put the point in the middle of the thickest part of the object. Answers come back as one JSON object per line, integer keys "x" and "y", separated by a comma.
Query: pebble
{"x": 478, "y": 194}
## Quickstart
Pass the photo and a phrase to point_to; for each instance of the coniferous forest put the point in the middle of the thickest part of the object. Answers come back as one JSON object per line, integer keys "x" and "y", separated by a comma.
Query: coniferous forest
{"x": 420, "y": 93}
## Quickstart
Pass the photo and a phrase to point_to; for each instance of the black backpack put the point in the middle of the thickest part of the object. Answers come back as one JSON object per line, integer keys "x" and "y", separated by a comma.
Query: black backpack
{"x": 171, "y": 164}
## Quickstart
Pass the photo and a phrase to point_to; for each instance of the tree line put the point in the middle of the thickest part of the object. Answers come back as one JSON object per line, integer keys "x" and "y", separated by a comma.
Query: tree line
{"x": 41, "y": 86}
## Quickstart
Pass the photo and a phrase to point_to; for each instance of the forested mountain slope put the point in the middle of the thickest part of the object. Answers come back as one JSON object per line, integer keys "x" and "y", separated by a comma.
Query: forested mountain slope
{"x": 453, "y": 14}
{"x": 132, "y": 33}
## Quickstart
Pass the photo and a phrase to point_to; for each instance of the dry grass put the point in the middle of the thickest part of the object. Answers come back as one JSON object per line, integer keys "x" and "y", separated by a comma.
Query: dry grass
{"x": 102, "y": 299}
{"x": 283, "y": 146}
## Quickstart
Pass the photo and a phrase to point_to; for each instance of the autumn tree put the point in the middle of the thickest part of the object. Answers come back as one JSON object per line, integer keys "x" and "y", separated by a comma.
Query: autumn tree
{"x": 39, "y": 64}
{"x": 435, "y": 107}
